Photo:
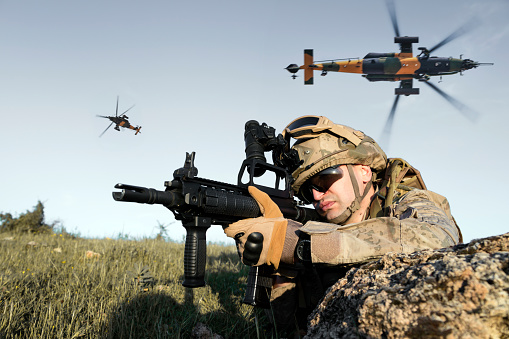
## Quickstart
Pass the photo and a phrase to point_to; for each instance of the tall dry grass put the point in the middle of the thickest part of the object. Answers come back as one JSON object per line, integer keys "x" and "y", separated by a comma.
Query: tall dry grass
{"x": 59, "y": 286}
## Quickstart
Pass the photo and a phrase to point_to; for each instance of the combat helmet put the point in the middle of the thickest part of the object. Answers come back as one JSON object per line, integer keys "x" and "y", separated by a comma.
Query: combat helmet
{"x": 321, "y": 144}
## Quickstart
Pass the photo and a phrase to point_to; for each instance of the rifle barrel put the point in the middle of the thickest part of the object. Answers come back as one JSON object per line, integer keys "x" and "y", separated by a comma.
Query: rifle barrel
{"x": 145, "y": 195}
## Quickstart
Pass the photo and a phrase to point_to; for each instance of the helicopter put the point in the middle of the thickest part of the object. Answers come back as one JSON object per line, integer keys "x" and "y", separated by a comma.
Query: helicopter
{"x": 120, "y": 121}
{"x": 403, "y": 66}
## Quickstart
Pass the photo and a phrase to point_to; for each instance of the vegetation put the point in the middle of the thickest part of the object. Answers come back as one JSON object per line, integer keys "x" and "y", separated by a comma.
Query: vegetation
{"x": 54, "y": 285}
{"x": 31, "y": 222}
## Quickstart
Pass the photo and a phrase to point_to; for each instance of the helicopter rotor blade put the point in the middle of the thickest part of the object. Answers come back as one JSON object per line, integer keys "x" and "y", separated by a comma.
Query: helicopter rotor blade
{"x": 465, "y": 28}
{"x": 127, "y": 110}
{"x": 116, "y": 110}
{"x": 102, "y": 116}
{"x": 392, "y": 13}
{"x": 105, "y": 130}
{"x": 469, "y": 113}
{"x": 384, "y": 139}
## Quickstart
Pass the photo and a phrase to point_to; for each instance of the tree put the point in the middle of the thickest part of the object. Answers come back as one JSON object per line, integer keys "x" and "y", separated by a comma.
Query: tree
{"x": 31, "y": 221}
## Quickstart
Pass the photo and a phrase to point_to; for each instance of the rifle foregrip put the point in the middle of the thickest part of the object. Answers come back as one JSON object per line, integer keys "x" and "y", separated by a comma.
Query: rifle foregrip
{"x": 195, "y": 256}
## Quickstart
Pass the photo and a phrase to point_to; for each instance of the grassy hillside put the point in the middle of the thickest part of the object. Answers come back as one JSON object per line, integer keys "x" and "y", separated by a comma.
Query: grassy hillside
{"x": 59, "y": 286}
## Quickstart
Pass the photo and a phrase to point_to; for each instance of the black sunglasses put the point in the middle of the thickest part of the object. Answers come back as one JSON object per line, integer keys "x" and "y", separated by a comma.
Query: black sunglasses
{"x": 320, "y": 182}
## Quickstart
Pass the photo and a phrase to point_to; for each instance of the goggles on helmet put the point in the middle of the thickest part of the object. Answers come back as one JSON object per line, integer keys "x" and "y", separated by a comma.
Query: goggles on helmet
{"x": 310, "y": 126}
{"x": 321, "y": 182}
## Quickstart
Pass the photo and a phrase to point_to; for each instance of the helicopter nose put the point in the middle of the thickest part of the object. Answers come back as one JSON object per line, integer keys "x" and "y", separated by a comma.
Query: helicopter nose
{"x": 292, "y": 68}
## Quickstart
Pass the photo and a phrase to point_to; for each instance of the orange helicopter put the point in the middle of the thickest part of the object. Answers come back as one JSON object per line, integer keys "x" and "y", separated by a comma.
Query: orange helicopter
{"x": 120, "y": 121}
{"x": 403, "y": 67}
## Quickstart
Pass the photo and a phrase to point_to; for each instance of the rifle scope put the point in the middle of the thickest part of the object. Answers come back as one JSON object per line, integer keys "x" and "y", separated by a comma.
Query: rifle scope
{"x": 258, "y": 139}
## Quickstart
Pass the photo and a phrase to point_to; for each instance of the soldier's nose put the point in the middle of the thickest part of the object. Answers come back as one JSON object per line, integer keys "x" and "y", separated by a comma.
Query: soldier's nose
{"x": 317, "y": 195}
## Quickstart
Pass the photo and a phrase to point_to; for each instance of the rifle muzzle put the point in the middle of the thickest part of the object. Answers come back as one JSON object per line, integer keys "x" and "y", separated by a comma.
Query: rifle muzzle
{"x": 145, "y": 195}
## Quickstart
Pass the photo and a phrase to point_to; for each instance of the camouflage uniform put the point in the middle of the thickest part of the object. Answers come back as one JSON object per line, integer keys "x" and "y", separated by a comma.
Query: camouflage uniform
{"x": 414, "y": 222}
{"x": 403, "y": 217}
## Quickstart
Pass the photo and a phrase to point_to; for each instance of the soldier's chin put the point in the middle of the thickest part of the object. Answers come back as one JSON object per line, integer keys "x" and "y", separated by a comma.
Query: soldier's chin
{"x": 330, "y": 215}
{"x": 323, "y": 214}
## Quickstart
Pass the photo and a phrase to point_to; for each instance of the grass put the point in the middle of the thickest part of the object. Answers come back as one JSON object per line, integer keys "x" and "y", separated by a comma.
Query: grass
{"x": 59, "y": 286}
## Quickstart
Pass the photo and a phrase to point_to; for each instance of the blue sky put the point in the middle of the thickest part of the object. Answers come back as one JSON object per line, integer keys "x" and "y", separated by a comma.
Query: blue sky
{"x": 197, "y": 71}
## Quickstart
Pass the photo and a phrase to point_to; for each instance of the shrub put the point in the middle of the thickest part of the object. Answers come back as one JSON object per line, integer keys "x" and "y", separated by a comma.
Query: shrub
{"x": 29, "y": 222}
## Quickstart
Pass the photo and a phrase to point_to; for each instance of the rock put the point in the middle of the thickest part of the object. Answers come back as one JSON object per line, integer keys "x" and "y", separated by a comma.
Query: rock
{"x": 92, "y": 254}
{"x": 200, "y": 331}
{"x": 456, "y": 292}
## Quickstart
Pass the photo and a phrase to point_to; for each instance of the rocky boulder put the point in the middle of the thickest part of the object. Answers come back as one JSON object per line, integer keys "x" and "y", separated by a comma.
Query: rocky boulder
{"x": 455, "y": 292}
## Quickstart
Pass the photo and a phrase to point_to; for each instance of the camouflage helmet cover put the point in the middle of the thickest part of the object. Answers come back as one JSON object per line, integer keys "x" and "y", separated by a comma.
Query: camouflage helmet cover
{"x": 326, "y": 144}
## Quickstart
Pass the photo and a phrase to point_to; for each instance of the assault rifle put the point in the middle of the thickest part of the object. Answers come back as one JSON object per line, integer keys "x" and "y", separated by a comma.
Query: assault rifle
{"x": 199, "y": 203}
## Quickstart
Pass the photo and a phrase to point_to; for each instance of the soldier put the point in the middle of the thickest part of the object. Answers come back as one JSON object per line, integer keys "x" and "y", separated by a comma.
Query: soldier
{"x": 369, "y": 205}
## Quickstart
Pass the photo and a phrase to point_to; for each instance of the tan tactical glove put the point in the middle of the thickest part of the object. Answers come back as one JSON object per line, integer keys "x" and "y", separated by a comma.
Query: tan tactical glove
{"x": 260, "y": 240}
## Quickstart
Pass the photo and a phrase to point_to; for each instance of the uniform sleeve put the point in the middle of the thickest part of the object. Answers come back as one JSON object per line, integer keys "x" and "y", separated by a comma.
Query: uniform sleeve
{"x": 420, "y": 220}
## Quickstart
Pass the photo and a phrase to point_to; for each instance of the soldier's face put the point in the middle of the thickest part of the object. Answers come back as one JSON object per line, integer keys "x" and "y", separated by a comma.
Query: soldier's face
{"x": 340, "y": 195}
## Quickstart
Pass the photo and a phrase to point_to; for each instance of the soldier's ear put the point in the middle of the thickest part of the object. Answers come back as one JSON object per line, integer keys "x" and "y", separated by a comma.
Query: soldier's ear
{"x": 365, "y": 173}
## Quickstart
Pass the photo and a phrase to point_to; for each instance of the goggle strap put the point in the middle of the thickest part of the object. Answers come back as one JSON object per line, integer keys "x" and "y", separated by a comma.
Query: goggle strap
{"x": 344, "y": 133}
{"x": 337, "y": 131}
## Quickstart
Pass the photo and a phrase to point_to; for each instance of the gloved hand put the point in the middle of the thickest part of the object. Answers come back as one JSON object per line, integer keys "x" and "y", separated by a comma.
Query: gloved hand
{"x": 260, "y": 240}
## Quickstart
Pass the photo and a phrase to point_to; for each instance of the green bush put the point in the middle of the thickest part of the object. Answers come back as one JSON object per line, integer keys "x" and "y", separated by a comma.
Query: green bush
{"x": 29, "y": 222}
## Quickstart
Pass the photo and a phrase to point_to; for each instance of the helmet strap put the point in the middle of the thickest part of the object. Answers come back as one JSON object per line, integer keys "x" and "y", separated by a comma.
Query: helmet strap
{"x": 356, "y": 203}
